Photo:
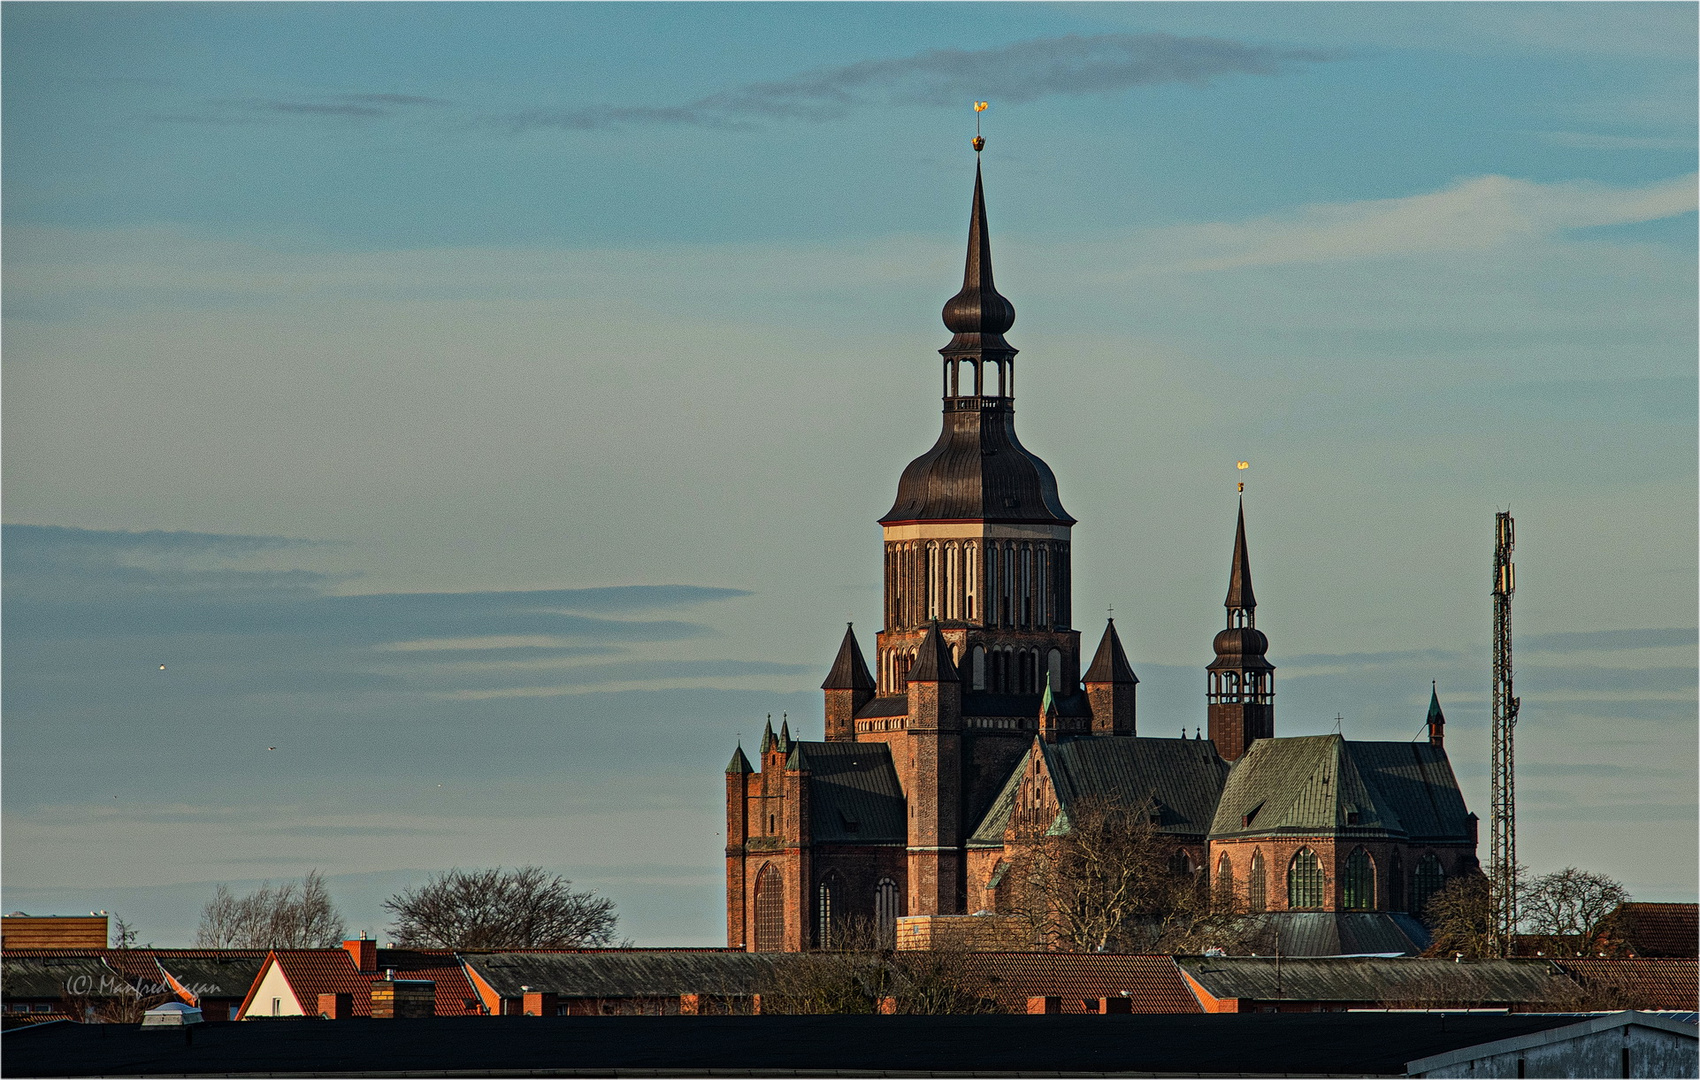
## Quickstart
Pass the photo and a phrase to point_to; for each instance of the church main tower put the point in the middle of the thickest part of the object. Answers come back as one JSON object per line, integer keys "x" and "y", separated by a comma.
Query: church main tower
{"x": 977, "y": 541}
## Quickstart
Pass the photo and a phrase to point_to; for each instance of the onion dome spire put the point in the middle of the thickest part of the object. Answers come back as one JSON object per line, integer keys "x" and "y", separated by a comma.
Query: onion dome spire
{"x": 1241, "y": 602}
{"x": 978, "y": 315}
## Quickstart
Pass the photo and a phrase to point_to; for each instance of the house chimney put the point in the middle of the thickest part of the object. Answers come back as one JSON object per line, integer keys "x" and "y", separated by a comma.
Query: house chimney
{"x": 365, "y": 953}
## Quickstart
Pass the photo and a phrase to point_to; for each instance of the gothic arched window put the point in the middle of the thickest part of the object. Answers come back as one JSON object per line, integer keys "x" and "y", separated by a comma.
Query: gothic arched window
{"x": 1430, "y": 879}
{"x": 1257, "y": 884}
{"x": 979, "y": 662}
{"x": 1225, "y": 880}
{"x": 823, "y": 912}
{"x": 886, "y": 904}
{"x": 1180, "y": 864}
{"x": 770, "y": 909}
{"x": 1396, "y": 883}
{"x": 1055, "y": 668}
{"x": 1304, "y": 881}
{"x": 1357, "y": 887}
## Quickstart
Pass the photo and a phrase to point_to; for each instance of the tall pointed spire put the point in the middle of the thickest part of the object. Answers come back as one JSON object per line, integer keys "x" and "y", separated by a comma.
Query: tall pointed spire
{"x": 849, "y": 670}
{"x": 978, "y": 315}
{"x": 1241, "y": 600}
{"x": 767, "y": 735}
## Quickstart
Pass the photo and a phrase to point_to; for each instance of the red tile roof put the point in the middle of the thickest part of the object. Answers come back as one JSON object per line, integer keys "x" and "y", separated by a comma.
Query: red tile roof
{"x": 1660, "y": 929}
{"x": 1647, "y": 984}
{"x": 1152, "y": 983}
{"x": 312, "y": 972}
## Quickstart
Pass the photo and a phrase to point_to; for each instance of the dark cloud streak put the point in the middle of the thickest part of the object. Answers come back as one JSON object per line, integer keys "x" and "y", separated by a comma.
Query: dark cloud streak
{"x": 1018, "y": 73}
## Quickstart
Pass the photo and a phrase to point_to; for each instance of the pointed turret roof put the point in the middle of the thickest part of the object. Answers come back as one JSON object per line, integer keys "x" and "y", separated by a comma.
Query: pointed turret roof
{"x": 932, "y": 660}
{"x": 1240, "y": 596}
{"x": 767, "y": 736}
{"x": 1434, "y": 713}
{"x": 849, "y": 671}
{"x": 740, "y": 763}
{"x": 783, "y": 745}
{"x": 979, "y": 314}
{"x": 1110, "y": 664}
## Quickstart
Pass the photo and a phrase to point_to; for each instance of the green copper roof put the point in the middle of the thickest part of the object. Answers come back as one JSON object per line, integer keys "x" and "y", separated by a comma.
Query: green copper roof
{"x": 1325, "y": 784}
{"x": 739, "y": 763}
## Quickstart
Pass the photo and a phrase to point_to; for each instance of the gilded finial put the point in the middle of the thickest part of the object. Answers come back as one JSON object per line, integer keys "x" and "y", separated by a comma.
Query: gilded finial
{"x": 979, "y": 142}
{"x": 1242, "y": 466}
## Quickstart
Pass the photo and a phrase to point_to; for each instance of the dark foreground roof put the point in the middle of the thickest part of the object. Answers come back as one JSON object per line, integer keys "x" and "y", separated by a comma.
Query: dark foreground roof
{"x": 1396, "y": 983}
{"x": 1356, "y": 1044}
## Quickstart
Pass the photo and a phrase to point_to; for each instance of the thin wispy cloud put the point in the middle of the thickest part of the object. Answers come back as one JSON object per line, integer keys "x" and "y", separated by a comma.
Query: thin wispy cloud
{"x": 1022, "y": 72}
{"x": 1588, "y": 140}
{"x": 1477, "y": 214}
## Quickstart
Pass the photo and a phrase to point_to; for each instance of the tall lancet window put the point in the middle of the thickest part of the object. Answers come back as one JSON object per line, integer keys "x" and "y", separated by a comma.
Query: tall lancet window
{"x": 1041, "y": 573}
{"x": 970, "y": 578}
{"x": 1009, "y": 585}
{"x": 1026, "y": 586}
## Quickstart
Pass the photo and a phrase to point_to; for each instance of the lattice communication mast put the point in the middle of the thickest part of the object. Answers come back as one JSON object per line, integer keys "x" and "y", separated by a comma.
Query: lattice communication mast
{"x": 1502, "y": 865}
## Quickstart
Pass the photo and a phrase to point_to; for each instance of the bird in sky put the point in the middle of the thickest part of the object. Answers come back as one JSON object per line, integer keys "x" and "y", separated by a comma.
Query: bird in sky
{"x": 271, "y": 748}
{"x": 162, "y": 667}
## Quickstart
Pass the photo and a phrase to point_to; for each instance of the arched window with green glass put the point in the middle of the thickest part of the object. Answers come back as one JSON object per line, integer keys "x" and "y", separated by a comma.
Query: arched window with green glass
{"x": 1430, "y": 879}
{"x": 1256, "y": 884}
{"x": 1304, "y": 881}
{"x": 1357, "y": 887}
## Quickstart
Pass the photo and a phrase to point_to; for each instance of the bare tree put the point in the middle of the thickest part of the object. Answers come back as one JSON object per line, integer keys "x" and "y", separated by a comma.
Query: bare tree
{"x": 1569, "y": 912}
{"x": 124, "y": 934}
{"x": 1107, "y": 885}
{"x": 1461, "y": 919}
{"x": 522, "y": 908}
{"x": 289, "y": 916}
{"x": 863, "y": 974}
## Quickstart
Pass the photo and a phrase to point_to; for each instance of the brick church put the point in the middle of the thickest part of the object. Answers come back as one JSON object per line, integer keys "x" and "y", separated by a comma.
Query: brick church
{"x": 978, "y": 719}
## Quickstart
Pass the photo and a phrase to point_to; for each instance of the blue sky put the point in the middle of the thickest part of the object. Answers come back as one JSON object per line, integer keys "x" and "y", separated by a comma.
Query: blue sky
{"x": 489, "y": 405}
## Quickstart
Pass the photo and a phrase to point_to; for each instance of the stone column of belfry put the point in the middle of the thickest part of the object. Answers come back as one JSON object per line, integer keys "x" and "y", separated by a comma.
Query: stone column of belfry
{"x": 1241, "y": 680}
{"x": 936, "y": 883}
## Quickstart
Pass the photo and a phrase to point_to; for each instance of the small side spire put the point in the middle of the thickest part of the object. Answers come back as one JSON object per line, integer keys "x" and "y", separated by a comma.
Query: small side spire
{"x": 783, "y": 745}
{"x": 932, "y": 660}
{"x": 1110, "y": 664}
{"x": 1241, "y": 600}
{"x": 739, "y": 764}
{"x": 1436, "y": 718}
{"x": 767, "y": 735}
{"x": 849, "y": 670}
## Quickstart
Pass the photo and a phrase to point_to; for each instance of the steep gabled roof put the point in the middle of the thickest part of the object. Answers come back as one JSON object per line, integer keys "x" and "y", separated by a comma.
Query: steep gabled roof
{"x": 1324, "y": 784}
{"x": 1183, "y": 776}
{"x": 311, "y": 972}
{"x": 854, "y": 796}
{"x": 849, "y": 670}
